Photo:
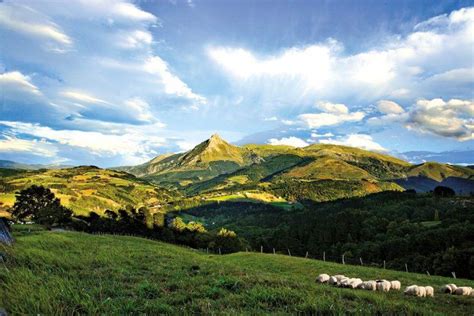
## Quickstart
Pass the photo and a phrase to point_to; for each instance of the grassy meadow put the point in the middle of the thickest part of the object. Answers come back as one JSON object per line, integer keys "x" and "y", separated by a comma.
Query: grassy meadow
{"x": 55, "y": 273}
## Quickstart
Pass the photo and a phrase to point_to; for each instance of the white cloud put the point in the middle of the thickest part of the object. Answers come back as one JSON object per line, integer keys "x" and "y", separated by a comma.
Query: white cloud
{"x": 16, "y": 82}
{"x": 13, "y": 17}
{"x": 37, "y": 147}
{"x": 356, "y": 140}
{"x": 135, "y": 145}
{"x": 453, "y": 118}
{"x": 129, "y": 11}
{"x": 316, "y": 120}
{"x": 400, "y": 67}
{"x": 172, "y": 84}
{"x": 82, "y": 97}
{"x": 316, "y": 135}
{"x": 332, "y": 107}
{"x": 290, "y": 141}
{"x": 389, "y": 107}
{"x": 141, "y": 110}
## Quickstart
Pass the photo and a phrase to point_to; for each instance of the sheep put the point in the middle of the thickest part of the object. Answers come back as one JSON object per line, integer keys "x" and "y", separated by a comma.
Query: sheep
{"x": 383, "y": 286}
{"x": 370, "y": 285}
{"x": 355, "y": 283}
{"x": 449, "y": 288}
{"x": 422, "y": 290}
{"x": 429, "y": 291}
{"x": 344, "y": 282}
{"x": 412, "y": 290}
{"x": 395, "y": 285}
{"x": 333, "y": 280}
{"x": 463, "y": 290}
{"x": 340, "y": 277}
{"x": 322, "y": 278}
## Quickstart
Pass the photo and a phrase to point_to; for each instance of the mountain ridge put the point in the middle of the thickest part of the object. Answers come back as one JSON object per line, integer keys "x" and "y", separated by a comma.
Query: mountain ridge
{"x": 215, "y": 164}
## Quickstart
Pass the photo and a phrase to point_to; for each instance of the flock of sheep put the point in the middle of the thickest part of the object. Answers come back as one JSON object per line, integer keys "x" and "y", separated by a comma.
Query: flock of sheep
{"x": 385, "y": 286}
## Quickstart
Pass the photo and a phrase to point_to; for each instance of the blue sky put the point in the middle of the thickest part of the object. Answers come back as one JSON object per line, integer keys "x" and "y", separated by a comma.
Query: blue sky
{"x": 116, "y": 82}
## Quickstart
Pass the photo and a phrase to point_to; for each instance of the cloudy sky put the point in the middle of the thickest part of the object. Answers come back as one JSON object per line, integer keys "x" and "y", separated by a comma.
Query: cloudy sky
{"x": 117, "y": 82}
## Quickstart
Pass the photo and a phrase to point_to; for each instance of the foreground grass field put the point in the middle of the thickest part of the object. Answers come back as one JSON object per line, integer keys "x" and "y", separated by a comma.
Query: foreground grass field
{"x": 69, "y": 273}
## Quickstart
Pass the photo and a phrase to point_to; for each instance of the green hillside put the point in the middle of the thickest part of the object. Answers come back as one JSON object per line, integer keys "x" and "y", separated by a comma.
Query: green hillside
{"x": 333, "y": 171}
{"x": 85, "y": 189}
{"x": 75, "y": 273}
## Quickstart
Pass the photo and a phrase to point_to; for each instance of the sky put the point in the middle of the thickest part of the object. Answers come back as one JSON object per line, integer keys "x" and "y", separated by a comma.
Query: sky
{"x": 116, "y": 82}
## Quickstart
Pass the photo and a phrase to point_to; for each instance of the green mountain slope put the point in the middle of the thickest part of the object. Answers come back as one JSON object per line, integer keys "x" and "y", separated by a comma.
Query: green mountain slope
{"x": 48, "y": 273}
{"x": 215, "y": 165}
{"x": 87, "y": 188}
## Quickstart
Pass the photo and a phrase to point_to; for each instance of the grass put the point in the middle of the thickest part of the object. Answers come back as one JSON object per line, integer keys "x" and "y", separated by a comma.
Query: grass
{"x": 76, "y": 273}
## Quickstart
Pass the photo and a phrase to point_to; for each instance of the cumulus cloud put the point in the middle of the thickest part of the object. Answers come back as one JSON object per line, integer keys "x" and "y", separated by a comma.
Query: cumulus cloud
{"x": 453, "y": 118}
{"x": 389, "y": 107}
{"x": 404, "y": 66}
{"x": 290, "y": 141}
{"x": 355, "y": 140}
{"x": 334, "y": 114}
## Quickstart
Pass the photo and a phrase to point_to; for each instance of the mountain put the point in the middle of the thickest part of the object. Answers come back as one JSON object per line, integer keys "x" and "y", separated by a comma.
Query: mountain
{"x": 318, "y": 171}
{"x": 86, "y": 188}
{"x": 209, "y": 159}
{"x": 8, "y": 164}
{"x": 462, "y": 157}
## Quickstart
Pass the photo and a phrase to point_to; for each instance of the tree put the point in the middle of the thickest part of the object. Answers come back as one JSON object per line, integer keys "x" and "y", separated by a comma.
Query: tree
{"x": 443, "y": 191}
{"x": 39, "y": 204}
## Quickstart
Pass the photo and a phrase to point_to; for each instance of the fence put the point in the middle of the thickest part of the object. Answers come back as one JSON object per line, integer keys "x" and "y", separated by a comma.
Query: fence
{"x": 343, "y": 259}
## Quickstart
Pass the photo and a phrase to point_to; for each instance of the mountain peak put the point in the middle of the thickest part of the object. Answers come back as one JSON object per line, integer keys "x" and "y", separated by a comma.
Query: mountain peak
{"x": 213, "y": 149}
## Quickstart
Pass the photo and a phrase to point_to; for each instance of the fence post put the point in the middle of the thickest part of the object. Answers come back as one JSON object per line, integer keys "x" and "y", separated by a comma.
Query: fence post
{"x": 406, "y": 267}
{"x": 289, "y": 252}
{"x": 207, "y": 250}
{"x": 220, "y": 251}
{"x": 428, "y": 273}
{"x": 246, "y": 249}
{"x": 343, "y": 262}
{"x": 261, "y": 249}
{"x": 324, "y": 255}
{"x": 454, "y": 274}
{"x": 384, "y": 264}
{"x": 361, "y": 263}
{"x": 274, "y": 251}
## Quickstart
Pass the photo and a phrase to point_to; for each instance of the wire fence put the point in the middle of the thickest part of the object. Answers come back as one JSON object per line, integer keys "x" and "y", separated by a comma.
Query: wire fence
{"x": 342, "y": 259}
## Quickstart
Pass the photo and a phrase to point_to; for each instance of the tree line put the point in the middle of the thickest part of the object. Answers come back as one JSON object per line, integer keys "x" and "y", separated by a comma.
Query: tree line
{"x": 38, "y": 204}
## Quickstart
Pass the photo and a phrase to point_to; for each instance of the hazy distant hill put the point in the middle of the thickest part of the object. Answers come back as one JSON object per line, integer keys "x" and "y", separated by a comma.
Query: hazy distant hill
{"x": 8, "y": 164}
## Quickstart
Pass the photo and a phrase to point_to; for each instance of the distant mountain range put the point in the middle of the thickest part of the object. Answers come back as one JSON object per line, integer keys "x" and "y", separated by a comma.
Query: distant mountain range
{"x": 461, "y": 157}
{"x": 8, "y": 164}
{"x": 215, "y": 170}
{"x": 215, "y": 165}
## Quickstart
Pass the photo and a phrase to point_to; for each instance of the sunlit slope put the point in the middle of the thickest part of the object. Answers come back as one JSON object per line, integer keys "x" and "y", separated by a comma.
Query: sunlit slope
{"x": 67, "y": 273}
{"x": 86, "y": 189}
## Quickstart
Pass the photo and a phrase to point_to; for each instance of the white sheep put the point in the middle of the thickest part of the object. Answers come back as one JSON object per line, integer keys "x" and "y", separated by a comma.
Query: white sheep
{"x": 463, "y": 290}
{"x": 429, "y": 291}
{"x": 412, "y": 290}
{"x": 354, "y": 283}
{"x": 333, "y": 280}
{"x": 422, "y": 290}
{"x": 395, "y": 285}
{"x": 344, "y": 282}
{"x": 370, "y": 285}
{"x": 383, "y": 286}
{"x": 322, "y": 278}
{"x": 340, "y": 277}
